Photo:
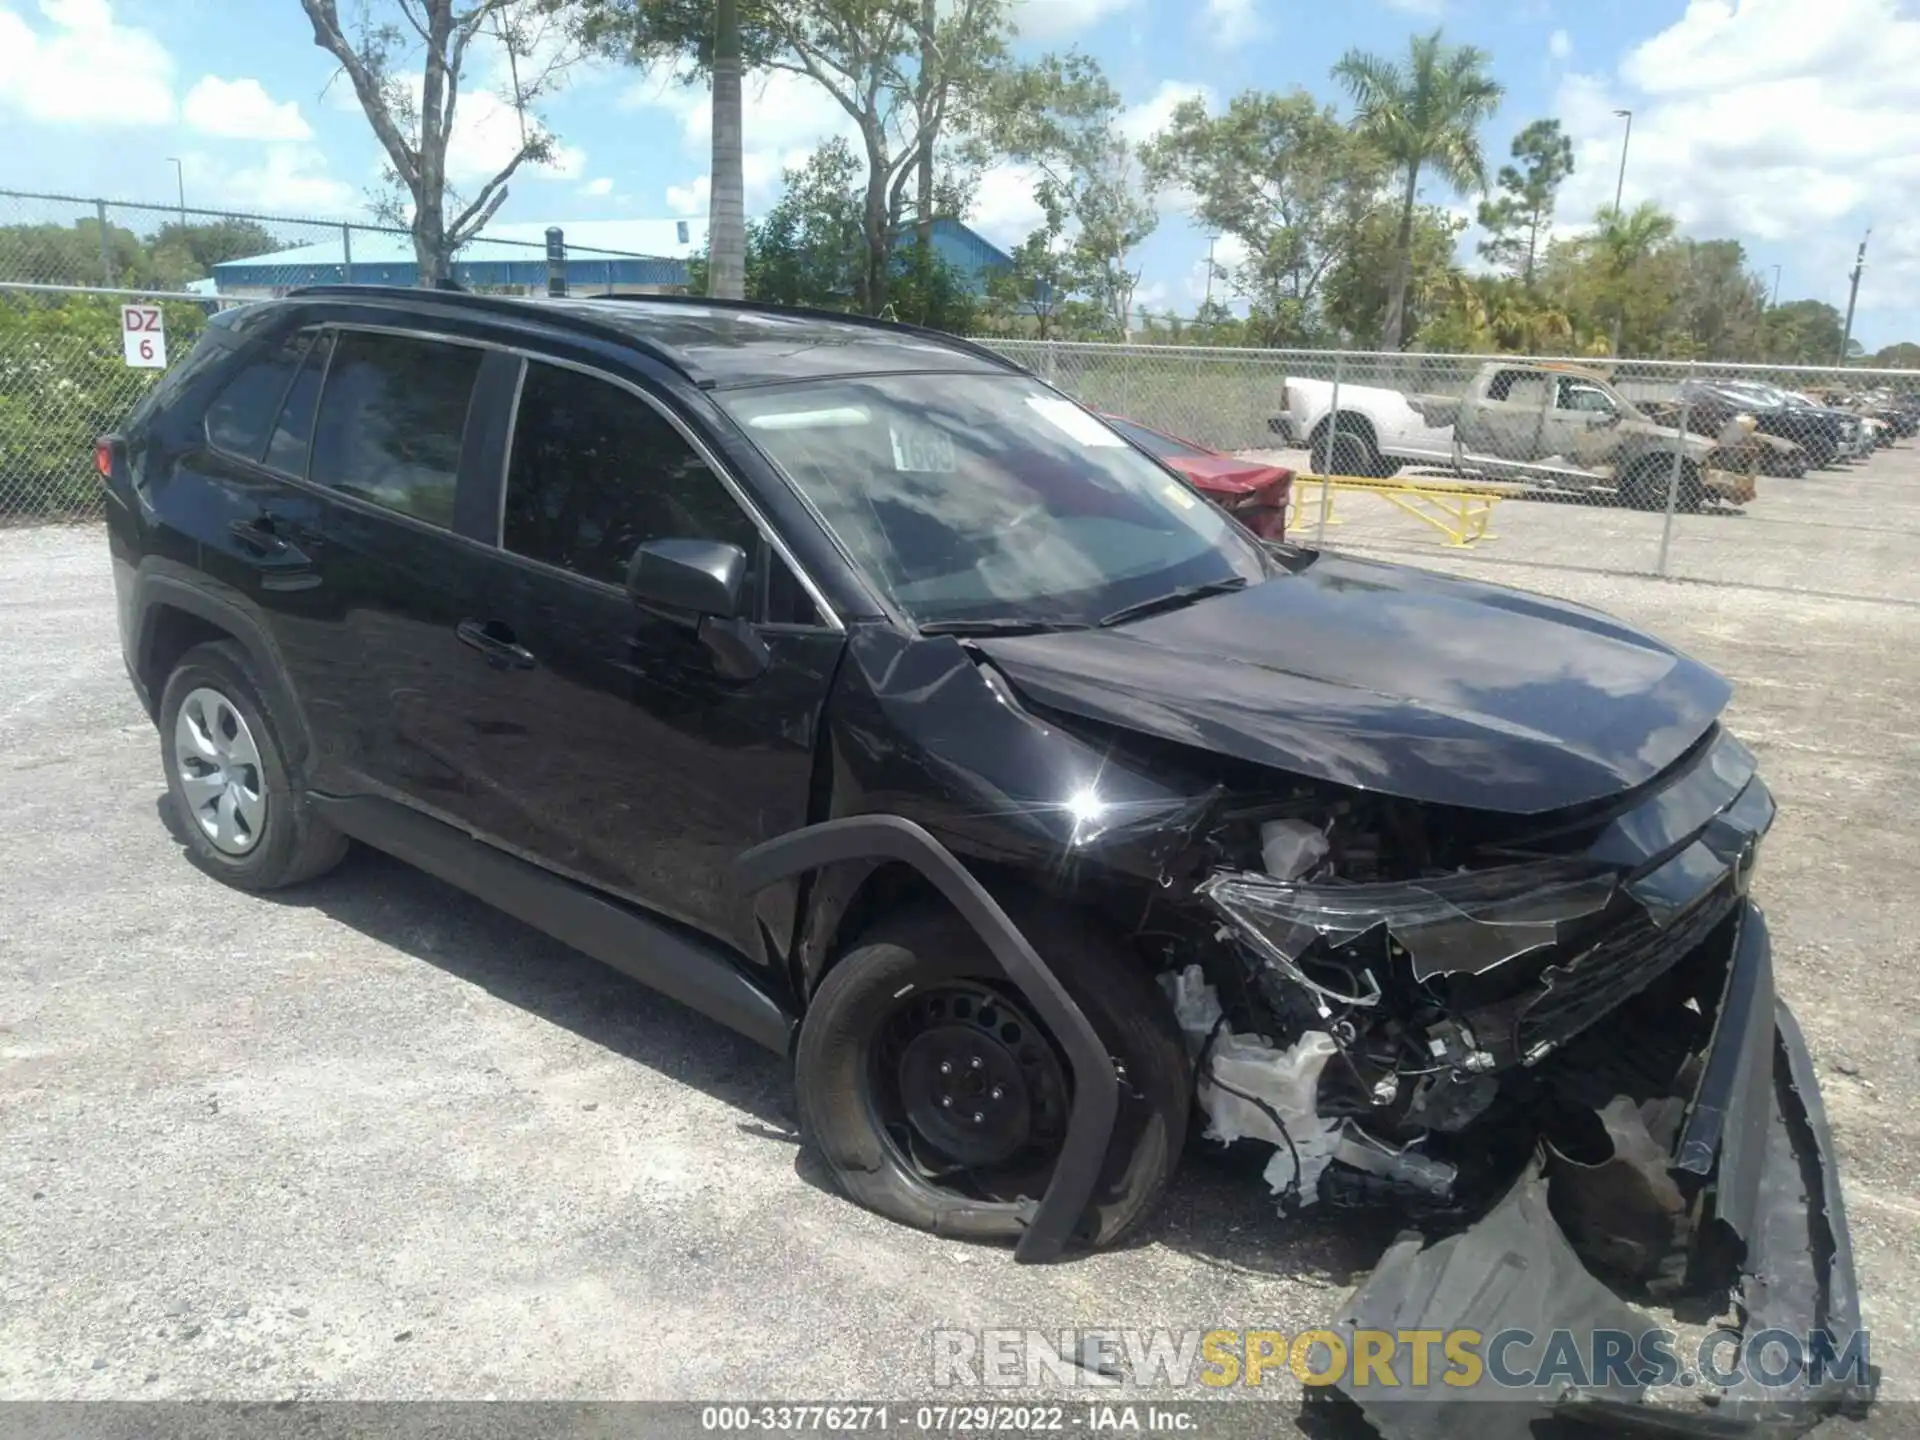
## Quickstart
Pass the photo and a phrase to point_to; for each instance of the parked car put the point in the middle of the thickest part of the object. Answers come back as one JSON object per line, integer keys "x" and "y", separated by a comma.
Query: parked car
{"x": 1825, "y": 433}
{"x": 853, "y": 687}
{"x": 1551, "y": 427}
{"x": 1253, "y": 492}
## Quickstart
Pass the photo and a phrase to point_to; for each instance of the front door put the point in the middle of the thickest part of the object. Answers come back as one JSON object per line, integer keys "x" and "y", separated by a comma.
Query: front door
{"x": 610, "y": 743}
{"x": 1584, "y": 423}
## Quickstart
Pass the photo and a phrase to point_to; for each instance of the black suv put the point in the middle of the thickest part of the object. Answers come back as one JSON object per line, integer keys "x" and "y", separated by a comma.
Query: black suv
{"x": 849, "y": 684}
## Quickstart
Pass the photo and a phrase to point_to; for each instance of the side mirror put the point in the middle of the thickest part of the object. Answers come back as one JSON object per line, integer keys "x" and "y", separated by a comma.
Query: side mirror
{"x": 707, "y": 577}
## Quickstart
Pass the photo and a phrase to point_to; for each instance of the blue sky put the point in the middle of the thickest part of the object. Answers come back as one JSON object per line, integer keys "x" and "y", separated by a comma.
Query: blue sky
{"x": 1792, "y": 125}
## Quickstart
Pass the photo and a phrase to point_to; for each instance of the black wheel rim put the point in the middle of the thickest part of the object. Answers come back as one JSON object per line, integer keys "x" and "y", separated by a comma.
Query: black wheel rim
{"x": 969, "y": 1090}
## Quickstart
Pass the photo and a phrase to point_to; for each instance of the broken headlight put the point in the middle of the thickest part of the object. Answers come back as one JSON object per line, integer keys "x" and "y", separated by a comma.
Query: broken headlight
{"x": 1464, "y": 923}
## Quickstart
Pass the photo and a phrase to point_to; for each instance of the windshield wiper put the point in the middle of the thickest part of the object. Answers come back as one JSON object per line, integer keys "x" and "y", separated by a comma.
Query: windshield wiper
{"x": 999, "y": 625}
{"x": 1173, "y": 599}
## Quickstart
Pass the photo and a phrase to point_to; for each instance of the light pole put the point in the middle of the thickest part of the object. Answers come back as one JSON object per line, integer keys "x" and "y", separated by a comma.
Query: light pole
{"x": 1621, "y": 184}
{"x": 1776, "y": 288}
{"x": 180, "y": 179}
{"x": 1207, "y": 305}
{"x": 1853, "y": 295}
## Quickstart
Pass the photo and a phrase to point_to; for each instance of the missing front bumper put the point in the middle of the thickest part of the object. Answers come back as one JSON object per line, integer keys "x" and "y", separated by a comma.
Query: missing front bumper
{"x": 1756, "y": 1149}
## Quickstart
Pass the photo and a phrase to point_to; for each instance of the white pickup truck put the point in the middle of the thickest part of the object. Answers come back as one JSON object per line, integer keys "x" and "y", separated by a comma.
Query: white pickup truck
{"x": 1546, "y": 427}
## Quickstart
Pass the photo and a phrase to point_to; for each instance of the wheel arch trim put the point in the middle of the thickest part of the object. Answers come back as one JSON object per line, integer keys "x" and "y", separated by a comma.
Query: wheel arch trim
{"x": 157, "y": 592}
{"x": 1096, "y": 1090}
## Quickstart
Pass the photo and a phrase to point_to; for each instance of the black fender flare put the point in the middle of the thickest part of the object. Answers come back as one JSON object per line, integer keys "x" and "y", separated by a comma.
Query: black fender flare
{"x": 1096, "y": 1090}
{"x": 155, "y": 591}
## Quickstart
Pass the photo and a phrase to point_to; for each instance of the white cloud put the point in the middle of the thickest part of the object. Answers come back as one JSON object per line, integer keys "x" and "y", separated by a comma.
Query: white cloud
{"x": 1795, "y": 122}
{"x": 1559, "y": 45}
{"x": 693, "y": 199}
{"x": 1004, "y": 207}
{"x": 1140, "y": 123}
{"x": 242, "y": 110}
{"x": 290, "y": 179}
{"x": 1419, "y": 7}
{"x": 783, "y": 112}
{"x": 1232, "y": 22}
{"x": 1057, "y": 19}
{"x": 598, "y": 187}
{"x": 487, "y": 134}
{"x": 79, "y": 66}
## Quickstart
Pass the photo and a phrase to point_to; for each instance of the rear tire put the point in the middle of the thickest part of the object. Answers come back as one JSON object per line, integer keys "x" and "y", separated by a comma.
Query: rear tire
{"x": 1352, "y": 452}
{"x": 862, "y": 1079}
{"x": 242, "y": 817}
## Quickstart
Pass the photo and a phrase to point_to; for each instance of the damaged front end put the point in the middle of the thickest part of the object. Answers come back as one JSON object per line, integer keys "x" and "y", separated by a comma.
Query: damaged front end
{"x": 1559, "y": 1052}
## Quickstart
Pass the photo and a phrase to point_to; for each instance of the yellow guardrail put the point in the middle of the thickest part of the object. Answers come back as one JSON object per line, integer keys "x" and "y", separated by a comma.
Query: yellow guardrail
{"x": 1462, "y": 513}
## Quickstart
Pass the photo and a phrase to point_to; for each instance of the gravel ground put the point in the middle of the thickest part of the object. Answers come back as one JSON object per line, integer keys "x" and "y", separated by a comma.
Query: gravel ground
{"x": 373, "y": 1140}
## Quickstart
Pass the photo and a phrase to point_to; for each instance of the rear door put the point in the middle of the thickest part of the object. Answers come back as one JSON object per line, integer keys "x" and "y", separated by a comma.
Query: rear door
{"x": 401, "y": 421}
{"x": 608, "y": 742}
{"x": 1506, "y": 423}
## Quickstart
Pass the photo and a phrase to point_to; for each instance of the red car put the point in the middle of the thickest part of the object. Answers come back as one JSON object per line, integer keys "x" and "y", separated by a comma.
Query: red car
{"x": 1254, "y": 493}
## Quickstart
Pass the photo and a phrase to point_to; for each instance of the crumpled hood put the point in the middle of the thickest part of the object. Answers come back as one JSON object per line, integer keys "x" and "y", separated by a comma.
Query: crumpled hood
{"x": 1391, "y": 679}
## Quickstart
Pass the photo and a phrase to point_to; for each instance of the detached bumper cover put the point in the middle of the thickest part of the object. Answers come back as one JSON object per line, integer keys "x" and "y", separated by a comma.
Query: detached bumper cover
{"x": 1756, "y": 1133}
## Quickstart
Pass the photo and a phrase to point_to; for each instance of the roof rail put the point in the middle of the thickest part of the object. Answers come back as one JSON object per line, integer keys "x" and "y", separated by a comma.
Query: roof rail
{"x": 815, "y": 312}
{"x": 511, "y": 306}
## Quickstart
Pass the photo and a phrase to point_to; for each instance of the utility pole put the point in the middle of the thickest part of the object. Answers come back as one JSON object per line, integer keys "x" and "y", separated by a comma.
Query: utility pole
{"x": 1207, "y": 306}
{"x": 1621, "y": 184}
{"x": 1776, "y": 288}
{"x": 180, "y": 179}
{"x": 1853, "y": 296}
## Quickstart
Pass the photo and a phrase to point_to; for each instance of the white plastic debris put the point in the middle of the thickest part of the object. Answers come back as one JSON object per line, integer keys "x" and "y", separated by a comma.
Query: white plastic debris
{"x": 1290, "y": 848}
{"x": 1285, "y": 1081}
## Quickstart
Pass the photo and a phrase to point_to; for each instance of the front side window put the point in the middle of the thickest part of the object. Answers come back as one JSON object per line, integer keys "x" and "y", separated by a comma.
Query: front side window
{"x": 1590, "y": 399}
{"x": 391, "y": 419}
{"x": 242, "y": 414}
{"x": 967, "y": 497}
{"x": 596, "y": 471}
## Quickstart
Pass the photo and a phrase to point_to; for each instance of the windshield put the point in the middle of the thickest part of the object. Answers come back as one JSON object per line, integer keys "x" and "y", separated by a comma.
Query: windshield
{"x": 967, "y": 497}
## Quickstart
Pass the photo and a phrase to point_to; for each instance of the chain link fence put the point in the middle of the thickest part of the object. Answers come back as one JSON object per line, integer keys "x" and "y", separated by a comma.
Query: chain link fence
{"x": 68, "y": 263}
{"x": 1791, "y": 478}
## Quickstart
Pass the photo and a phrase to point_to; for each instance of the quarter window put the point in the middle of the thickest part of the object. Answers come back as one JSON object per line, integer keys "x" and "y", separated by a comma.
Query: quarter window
{"x": 596, "y": 472}
{"x": 391, "y": 419}
{"x": 243, "y": 413}
{"x": 293, "y": 432}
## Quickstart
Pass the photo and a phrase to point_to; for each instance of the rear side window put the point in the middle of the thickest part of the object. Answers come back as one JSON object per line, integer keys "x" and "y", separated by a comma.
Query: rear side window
{"x": 293, "y": 432}
{"x": 391, "y": 418}
{"x": 596, "y": 471}
{"x": 242, "y": 414}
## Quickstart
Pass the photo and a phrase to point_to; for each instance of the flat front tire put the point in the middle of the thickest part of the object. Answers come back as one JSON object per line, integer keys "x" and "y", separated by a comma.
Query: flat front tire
{"x": 939, "y": 1100}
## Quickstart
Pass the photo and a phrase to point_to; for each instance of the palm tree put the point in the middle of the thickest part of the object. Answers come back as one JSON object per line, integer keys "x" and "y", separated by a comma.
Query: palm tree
{"x": 1624, "y": 240}
{"x": 727, "y": 200}
{"x": 1422, "y": 114}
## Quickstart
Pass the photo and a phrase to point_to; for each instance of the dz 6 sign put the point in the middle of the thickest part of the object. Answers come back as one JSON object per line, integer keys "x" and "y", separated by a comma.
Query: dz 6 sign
{"x": 144, "y": 334}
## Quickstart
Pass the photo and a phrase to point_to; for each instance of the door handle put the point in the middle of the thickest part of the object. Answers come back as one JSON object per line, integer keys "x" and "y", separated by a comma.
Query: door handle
{"x": 495, "y": 641}
{"x": 259, "y": 536}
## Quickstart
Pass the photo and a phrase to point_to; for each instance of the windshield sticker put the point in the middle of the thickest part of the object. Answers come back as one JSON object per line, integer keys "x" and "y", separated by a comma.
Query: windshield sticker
{"x": 1075, "y": 423}
{"x": 1177, "y": 493}
{"x": 922, "y": 451}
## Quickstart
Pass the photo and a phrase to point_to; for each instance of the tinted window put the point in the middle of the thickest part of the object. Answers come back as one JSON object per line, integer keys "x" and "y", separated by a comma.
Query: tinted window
{"x": 293, "y": 432}
{"x": 390, "y": 422}
{"x": 242, "y": 414}
{"x": 596, "y": 471}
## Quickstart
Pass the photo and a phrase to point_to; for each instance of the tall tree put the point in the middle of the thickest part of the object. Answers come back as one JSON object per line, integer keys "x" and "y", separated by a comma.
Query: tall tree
{"x": 414, "y": 123}
{"x": 712, "y": 40}
{"x": 1280, "y": 174}
{"x": 1421, "y": 114}
{"x": 1625, "y": 243}
{"x": 1061, "y": 116}
{"x": 1517, "y": 220}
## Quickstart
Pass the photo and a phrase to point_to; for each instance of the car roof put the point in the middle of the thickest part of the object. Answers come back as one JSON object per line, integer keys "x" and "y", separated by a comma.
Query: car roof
{"x": 717, "y": 343}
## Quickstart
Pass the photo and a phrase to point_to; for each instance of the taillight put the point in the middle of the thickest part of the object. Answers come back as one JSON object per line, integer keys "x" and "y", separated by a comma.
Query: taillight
{"x": 103, "y": 456}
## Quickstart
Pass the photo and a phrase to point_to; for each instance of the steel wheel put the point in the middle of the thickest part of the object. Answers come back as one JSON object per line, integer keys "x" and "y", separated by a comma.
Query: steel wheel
{"x": 218, "y": 765}
{"x": 970, "y": 1089}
